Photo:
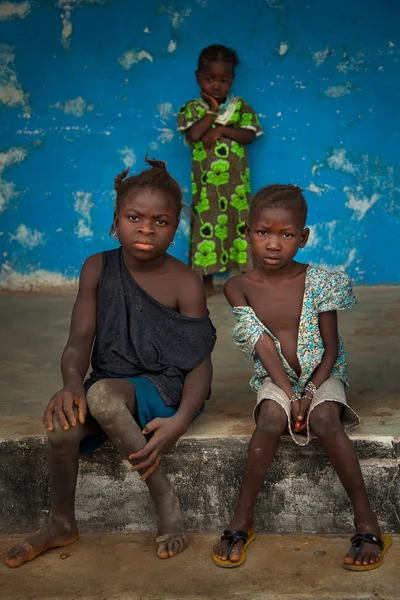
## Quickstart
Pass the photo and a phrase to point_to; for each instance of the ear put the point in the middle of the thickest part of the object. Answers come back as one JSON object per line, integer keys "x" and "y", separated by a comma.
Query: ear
{"x": 115, "y": 221}
{"x": 305, "y": 234}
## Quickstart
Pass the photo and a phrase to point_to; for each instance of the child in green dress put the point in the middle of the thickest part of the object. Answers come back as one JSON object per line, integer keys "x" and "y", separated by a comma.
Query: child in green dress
{"x": 219, "y": 127}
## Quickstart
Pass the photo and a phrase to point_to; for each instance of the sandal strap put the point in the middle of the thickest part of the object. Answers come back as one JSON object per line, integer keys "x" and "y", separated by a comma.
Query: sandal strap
{"x": 233, "y": 537}
{"x": 358, "y": 540}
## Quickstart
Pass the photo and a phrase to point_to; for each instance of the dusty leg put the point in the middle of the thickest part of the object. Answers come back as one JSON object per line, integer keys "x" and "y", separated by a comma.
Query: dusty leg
{"x": 61, "y": 529}
{"x": 326, "y": 425}
{"x": 271, "y": 424}
{"x": 209, "y": 285}
{"x": 112, "y": 403}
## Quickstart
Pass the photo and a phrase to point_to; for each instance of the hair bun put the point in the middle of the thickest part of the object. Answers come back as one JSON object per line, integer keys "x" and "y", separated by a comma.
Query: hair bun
{"x": 156, "y": 164}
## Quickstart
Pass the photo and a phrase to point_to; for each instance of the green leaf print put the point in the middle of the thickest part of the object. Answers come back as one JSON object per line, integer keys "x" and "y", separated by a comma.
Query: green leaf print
{"x": 245, "y": 177}
{"x": 241, "y": 229}
{"x": 223, "y": 204}
{"x": 247, "y": 120}
{"x": 221, "y": 150}
{"x": 237, "y": 149}
{"x": 206, "y": 230}
{"x": 224, "y": 257}
{"x": 204, "y": 203}
{"x": 221, "y": 230}
{"x": 238, "y": 252}
{"x": 206, "y": 255}
{"x": 219, "y": 173}
{"x": 199, "y": 154}
{"x": 239, "y": 199}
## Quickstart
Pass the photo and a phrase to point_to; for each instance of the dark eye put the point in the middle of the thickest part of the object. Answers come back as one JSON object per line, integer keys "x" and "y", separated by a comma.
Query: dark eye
{"x": 133, "y": 218}
{"x": 287, "y": 236}
{"x": 262, "y": 232}
{"x": 161, "y": 222}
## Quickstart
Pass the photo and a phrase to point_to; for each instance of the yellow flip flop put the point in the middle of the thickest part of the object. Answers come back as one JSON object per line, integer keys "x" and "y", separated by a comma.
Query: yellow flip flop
{"x": 357, "y": 542}
{"x": 233, "y": 537}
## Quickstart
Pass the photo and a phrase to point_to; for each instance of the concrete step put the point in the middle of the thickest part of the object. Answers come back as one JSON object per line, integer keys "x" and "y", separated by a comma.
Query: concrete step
{"x": 125, "y": 567}
{"x": 302, "y": 494}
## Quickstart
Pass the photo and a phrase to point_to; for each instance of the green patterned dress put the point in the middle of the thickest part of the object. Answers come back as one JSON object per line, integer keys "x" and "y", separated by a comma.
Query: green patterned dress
{"x": 220, "y": 190}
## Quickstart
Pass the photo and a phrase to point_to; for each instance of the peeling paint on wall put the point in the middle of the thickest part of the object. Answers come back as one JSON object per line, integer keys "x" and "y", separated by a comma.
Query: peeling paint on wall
{"x": 283, "y": 48}
{"x": 320, "y": 57}
{"x": 338, "y": 91}
{"x": 67, "y": 6}
{"x": 358, "y": 202}
{"x": 76, "y": 106}
{"x": 15, "y": 281}
{"x": 166, "y": 135}
{"x": 14, "y": 10}
{"x": 83, "y": 205}
{"x": 11, "y": 93}
{"x": 132, "y": 57}
{"x": 172, "y": 46}
{"x": 8, "y": 189}
{"x": 28, "y": 238}
{"x": 177, "y": 17}
{"x": 128, "y": 156}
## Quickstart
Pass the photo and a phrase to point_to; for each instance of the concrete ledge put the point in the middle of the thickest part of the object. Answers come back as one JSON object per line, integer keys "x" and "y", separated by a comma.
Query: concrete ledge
{"x": 302, "y": 494}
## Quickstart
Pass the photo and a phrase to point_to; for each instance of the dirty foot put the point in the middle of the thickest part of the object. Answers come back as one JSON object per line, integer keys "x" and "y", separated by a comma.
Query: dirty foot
{"x": 221, "y": 550}
{"x": 171, "y": 538}
{"x": 369, "y": 553}
{"x": 39, "y": 542}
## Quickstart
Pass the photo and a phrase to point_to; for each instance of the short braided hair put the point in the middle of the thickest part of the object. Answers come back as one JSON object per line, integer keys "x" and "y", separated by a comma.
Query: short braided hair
{"x": 218, "y": 52}
{"x": 280, "y": 196}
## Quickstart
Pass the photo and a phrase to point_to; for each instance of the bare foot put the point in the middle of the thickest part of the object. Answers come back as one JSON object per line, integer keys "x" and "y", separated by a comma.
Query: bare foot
{"x": 171, "y": 538}
{"x": 369, "y": 553}
{"x": 39, "y": 542}
{"x": 221, "y": 550}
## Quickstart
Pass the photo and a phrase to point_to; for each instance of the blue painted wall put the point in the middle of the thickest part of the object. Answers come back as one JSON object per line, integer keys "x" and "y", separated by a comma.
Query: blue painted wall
{"x": 88, "y": 84}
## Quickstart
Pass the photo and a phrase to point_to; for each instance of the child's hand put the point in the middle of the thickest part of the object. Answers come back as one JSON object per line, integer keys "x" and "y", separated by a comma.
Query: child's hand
{"x": 62, "y": 404}
{"x": 299, "y": 414}
{"x": 166, "y": 433}
{"x": 211, "y": 137}
{"x": 212, "y": 102}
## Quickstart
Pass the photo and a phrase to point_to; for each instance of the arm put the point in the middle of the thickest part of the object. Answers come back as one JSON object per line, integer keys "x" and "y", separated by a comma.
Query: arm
{"x": 76, "y": 356}
{"x": 201, "y": 127}
{"x": 265, "y": 347}
{"x": 327, "y": 322}
{"x": 242, "y": 136}
{"x": 196, "y": 387}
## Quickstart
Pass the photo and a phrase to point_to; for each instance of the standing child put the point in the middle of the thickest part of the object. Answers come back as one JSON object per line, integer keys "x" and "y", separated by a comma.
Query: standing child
{"x": 287, "y": 321}
{"x": 219, "y": 127}
{"x": 146, "y": 313}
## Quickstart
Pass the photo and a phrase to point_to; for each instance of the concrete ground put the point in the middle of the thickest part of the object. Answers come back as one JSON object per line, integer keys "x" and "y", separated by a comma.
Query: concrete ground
{"x": 34, "y": 328}
{"x": 124, "y": 567}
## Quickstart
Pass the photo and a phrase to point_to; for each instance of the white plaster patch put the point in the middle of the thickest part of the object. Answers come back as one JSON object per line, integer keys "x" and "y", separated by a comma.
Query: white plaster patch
{"x": 283, "y": 48}
{"x": 11, "y": 92}
{"x": 153, "y": 146}
{"x": 14, "y": 10}
{"x": 76, "y": 106}
{"x": 184, "y": 226}
{"x": 172, "y": 46}
{"x": 132, "y": 57}
{"x": 322, "y": 234}
{"x": 28, "y": 238}
{"x": 320, "y": 57}
{"x": 351, "y": 64}
{"x": 8, "y": 190}
{"x": 339, "y": 161}
{"x": 358, "y": 202}
{"x": 128, "y": 156}
{"x": 12, "y": 280}
{"x": 83, "y": 205}
{"x": 275, "y": 4}
{"x": 338, "y": 91}
{"x": 67, "y": 6}
{"x": 319, "y": 190}
{"x": 165, "y": 110}
{"x": 177, "y": 18}
{"x": 166, "y": 135}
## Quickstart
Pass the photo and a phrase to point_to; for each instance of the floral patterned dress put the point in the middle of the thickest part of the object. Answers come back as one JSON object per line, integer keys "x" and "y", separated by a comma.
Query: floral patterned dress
{"x": 220, "y": 190}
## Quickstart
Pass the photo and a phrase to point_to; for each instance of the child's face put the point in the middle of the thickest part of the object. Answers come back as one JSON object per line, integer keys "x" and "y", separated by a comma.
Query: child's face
{"x": 276, "y": 234}
{"x": 215, "y": 79}
{"x": 146, "y": 223}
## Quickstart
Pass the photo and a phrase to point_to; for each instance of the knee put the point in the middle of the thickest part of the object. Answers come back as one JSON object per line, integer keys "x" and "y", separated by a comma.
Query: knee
{"x": 62, "y": 437}
{"x": 325, "y": 420}
{"x": 101, "y": 401}
{"x": 272, "y": 418}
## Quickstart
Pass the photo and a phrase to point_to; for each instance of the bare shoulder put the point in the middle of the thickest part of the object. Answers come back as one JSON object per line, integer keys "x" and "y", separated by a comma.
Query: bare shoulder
{"x": 235, "y": 290}
{"x": 91, "y": 270}
{"x": 190, "y": 289}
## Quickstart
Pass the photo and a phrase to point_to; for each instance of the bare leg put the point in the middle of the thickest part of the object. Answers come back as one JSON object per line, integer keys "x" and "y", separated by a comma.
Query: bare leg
{"x": 326, "y": 425}
{"x": 112, "y": 403}
{"x": 61, "y": 529}
{"x": 271, "y": 424}
{"x": 209, "y": 285}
